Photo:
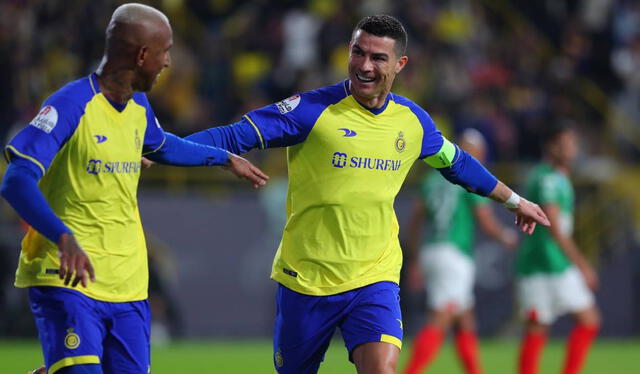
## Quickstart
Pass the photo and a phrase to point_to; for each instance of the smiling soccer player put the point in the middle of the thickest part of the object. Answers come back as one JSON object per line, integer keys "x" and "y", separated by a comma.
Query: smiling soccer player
{"x": 350, "y": 147}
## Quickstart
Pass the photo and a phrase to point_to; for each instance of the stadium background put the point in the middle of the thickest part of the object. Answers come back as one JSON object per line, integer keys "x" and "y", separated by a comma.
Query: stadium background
{"x": 504, "y": 67}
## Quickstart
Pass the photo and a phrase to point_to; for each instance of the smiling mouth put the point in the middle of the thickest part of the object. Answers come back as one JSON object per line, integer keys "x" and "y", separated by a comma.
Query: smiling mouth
{"x": 364, "y": 79}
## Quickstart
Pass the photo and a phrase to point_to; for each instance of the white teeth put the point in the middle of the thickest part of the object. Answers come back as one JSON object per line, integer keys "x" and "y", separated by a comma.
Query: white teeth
{"x": 364, "y": 79}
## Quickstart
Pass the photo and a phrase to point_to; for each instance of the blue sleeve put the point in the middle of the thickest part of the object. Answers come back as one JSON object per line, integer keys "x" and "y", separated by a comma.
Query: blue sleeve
{"x": 238, "y": 138}
{"x": 467, "y": 172}
{"x": 290, "y": 121}
{"x": 180, "y": 152}
{"x": 40, "y": 141}
{"x": 20, "y": 189}
{"x": 464, "y": 170}
{"x": 154, "y": 135}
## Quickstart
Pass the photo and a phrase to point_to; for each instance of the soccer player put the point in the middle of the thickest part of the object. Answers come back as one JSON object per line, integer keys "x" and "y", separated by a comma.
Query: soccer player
{"x": 85, "y": 148}
{"x": 553, "y": 277}
{"x": 446, "y": 260}
{"x": 350, "y": 147}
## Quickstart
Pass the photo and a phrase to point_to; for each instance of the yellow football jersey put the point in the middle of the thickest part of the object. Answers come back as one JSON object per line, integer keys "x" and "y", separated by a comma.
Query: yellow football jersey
{"x": 89, "y": 151}
{"x": 346, "y": 165}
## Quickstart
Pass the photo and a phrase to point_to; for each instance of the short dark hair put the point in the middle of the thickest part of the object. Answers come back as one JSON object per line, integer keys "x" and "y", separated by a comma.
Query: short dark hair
{"x": 384, "y": 25}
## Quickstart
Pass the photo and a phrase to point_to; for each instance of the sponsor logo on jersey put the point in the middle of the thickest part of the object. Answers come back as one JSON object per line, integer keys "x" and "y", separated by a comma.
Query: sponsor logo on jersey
{"x": 400, "y": 142}
{"x": 341, "y": 160}
{"x": 348, "y": 133}
{"x": 46, "y": 120}
{"x": 289, "y": 104}
{"x": 96, "y": 167}
{"x": 100, "y": 138}
{"x": 72, "y": 340}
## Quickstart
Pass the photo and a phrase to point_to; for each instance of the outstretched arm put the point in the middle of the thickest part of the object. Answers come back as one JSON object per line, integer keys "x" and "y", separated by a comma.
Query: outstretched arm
{"x": 459, "y": 167}
{"x": 527, "y": 213}
{"x": 238, "y": 138}
{"x": 181, "y": 152}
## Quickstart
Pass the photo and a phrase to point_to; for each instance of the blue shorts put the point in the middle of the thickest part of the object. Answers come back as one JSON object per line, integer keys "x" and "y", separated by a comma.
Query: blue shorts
{"x": 305, "y": 324}
{"x": 75, "y": 329}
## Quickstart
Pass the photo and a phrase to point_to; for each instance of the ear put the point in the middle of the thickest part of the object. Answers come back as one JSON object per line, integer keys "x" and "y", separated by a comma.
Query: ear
{"x": 141, "y": 56}
{"x": 402, "y": 62}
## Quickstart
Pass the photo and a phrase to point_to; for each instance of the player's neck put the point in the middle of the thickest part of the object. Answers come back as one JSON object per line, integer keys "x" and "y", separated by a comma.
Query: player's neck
{"x": 372, "y": 103}
{"x": 115, "y": 84}
{"x": 375, "y": 102}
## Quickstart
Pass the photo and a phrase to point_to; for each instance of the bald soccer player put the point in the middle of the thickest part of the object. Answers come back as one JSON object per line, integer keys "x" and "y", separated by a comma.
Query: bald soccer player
{"x": 84, "y": 149}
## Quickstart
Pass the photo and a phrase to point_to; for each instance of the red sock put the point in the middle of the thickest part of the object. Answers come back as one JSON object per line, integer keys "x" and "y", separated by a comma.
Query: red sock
{"x": 578, "y": 346}
{"x": 425, "y": 347}
{"x": 467, "y": 348}
{"x": 530, "y": 352}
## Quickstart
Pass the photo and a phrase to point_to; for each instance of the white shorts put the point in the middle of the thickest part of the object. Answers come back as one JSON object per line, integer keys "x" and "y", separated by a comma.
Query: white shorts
{"x": 449, "y": 275}
{"x": 545, "y": 297}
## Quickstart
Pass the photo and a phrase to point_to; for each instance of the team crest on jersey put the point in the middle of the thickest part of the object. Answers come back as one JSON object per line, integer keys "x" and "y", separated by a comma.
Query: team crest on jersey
{"x": 279, "y": 359}
{"x": 287, "y": 105}
{"x": 400, "y": 142}
{"x": 72, "y": 340}
{"x": 46, "y": 120}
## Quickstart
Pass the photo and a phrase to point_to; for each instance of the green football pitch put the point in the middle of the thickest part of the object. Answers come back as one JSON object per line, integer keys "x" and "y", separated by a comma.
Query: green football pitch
{"x": 254, "y": 357}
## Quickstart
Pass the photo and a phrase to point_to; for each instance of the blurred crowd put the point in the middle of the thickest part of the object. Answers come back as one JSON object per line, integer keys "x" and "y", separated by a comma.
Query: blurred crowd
{"x": 504, "y": 67}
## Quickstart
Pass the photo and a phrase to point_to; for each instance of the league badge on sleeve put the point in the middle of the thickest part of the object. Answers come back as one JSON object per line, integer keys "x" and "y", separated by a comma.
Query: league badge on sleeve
{"x": 289, "y": 104}
{"x": 46, "y": 120}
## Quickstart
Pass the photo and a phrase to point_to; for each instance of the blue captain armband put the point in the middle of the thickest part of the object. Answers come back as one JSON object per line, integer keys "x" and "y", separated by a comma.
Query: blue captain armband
{"x": 458, "y": 167}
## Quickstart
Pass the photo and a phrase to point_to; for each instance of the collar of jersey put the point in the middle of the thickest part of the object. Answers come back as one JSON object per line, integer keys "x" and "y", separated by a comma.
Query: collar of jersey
{"x": 374, "y": 111}
{"x": 95, "y": 87}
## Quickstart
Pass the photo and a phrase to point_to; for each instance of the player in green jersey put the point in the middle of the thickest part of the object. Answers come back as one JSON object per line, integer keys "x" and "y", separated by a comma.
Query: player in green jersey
{"x": 446, "y": 260}
{"x": 553, "y": 277}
